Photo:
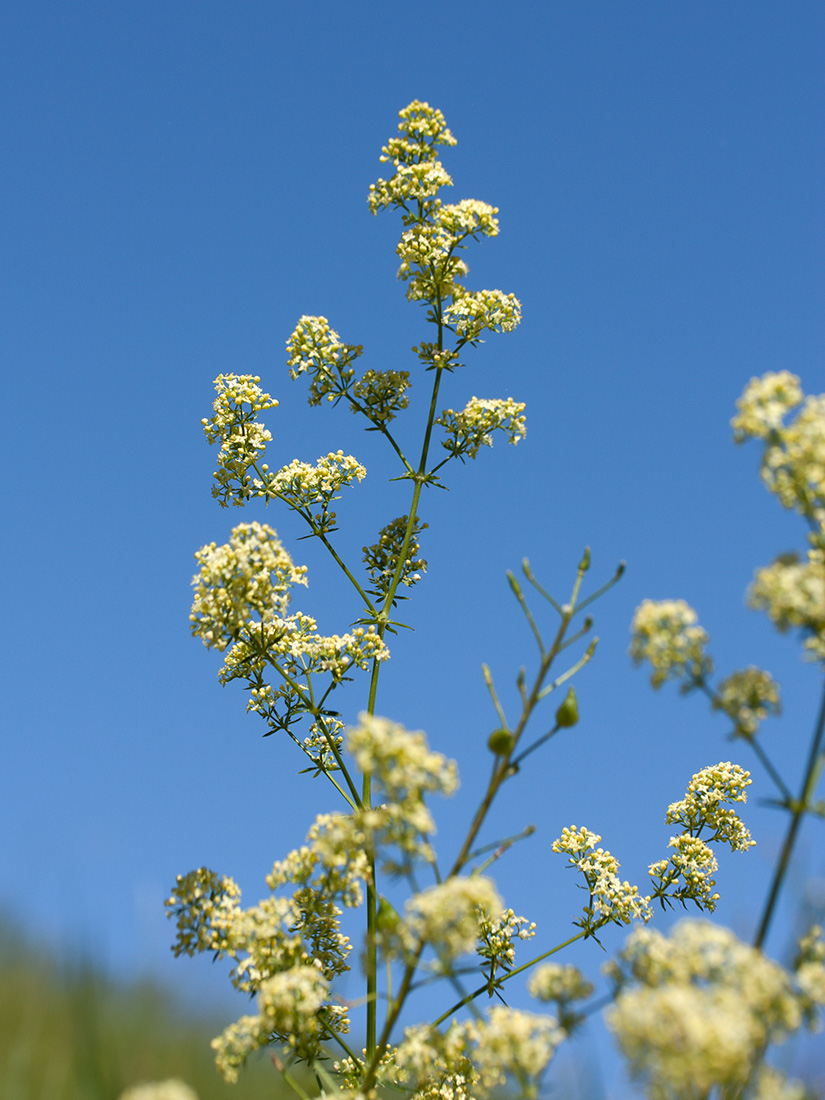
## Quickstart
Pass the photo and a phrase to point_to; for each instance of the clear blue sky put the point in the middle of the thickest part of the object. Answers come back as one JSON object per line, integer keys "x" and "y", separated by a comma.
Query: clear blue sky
{"x": 182, "y": 180}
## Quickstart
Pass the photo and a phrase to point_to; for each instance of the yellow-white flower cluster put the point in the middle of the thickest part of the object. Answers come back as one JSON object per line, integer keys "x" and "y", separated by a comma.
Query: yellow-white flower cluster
{"x": 250, "y": 575}
{"x": 303, "y": 486}
{"x": 473, "y": 1057}
{"x": 418, "y": 174}
{"x": 764, "y": 403}
{"x": 381, "y": 394}
{"x": 496, "y": 936}
{"x": 296, "y": 651}
{"x": 705, "y": 805}
{"x": 382, "y": 558}
{"x": 666, "y": 635}
{"x": 421, "y": 126}
{"x": 561, "y": 983}
{"x": 793, "y": 462}
{"x": 472, "y": 313}
{"x": 445, "y": 917}
{"x": 792, "y": 592}
{"x": 399, "y": 759}
{"x": 688, "y": 874}
{"x": 242, "y": 438}
{"x": 748, "y": 697}
{"x": 610, "y": 899}
{"x": 316, "y": 349}
{"x": 171, "y": 1089}
{"x": 403, "y": 769}
{"x": 695, "y": 1010}
{"x": 469, "y": 430}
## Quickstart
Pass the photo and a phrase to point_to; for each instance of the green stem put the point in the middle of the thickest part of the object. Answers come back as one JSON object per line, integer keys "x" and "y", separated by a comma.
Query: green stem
{"x": 799, "y": 809}
{"x": 504, "y": 978}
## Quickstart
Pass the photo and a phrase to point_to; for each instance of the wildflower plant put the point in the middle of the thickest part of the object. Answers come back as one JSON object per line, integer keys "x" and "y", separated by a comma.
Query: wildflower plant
{"x": 428, "y": 918}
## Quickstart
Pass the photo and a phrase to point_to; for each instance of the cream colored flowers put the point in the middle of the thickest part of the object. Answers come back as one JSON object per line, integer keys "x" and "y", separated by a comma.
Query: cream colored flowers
{"x": 610, "y": 899}
{"x": 251, "y": 575}
{"x": 469, "y": 430}
{"x": 666, "y": 635}
{"x": 695, "y": 1010}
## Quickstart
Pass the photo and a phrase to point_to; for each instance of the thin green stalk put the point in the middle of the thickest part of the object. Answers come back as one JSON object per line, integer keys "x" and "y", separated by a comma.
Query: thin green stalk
{"x": 504, "y": 978}
{"x": 798, "y": 810}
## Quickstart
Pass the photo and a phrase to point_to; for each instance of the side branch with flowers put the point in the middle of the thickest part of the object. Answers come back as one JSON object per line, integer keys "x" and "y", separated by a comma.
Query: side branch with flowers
{"x": 289, "y": 949}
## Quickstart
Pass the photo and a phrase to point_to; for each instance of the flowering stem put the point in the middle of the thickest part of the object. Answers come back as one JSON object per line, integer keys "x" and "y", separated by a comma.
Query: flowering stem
{"x": 504, "y": 977}
{"x": 798, "y": 809}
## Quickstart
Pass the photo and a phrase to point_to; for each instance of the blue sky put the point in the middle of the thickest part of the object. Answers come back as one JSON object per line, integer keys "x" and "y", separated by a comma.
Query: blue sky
{"x": 182, "y": 181}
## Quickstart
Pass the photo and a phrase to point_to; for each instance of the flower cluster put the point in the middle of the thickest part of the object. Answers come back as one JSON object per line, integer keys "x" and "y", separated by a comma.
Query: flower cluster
{"x": 304, "y": 487}
{"x": 610, "y": 899}
{"x": 171, "y": 1089}
{"x": 250, "y": 575}
{"x": 748, "y": 697}
{"x": 496, "y": 936}
{"x": 705, "y": 805}
{"x": 809, "y": 966}
{"x": 423, "y": 127}
{"x": 695, "y": 1011}
{"x": 316, "y": 349}
{"x": 563, "y": 985}
{"x": 323, "y": 734}
{"x": 242, "y": 438}
{"x": 404, "y": 769}
{"x": 763, "y": 405}
{"x": 688, "y": 874}
{"x": 471, "y": 313}
{"x": 666, "y": 635}
{"x": 297, "y": 652}
{"x": 381, "y": 394}
{"x": 286, "y": 949}
{"x": 793, "y": 462}
{"x": 418, "y": 174}
{"x": 472, "y": 428}
{"x": 383, "y": 557}
{"x": 446, "y": 916}
{"x": 474, "y": 1057}
{"x": 792, "y": 592}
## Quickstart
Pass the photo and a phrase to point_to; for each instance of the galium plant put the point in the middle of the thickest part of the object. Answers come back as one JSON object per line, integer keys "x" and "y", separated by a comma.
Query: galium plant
{"x": 375, "y": 840}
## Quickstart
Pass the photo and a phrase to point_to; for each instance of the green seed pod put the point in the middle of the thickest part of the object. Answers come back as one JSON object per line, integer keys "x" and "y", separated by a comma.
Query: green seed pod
{"x": 500, "y": 742}
{"x": 387, "y": 919}
{"x": 568, "y": 712}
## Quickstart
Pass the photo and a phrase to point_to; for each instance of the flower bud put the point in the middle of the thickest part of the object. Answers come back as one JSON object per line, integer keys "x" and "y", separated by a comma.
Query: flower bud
{"x": 568, "y": 712}
{"x": 500, "y": 742}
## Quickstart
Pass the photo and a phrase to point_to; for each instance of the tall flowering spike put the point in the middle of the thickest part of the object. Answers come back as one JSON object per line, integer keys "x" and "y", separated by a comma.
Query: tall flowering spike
{"x": 242, "y": 438}
{"x": 418, "y": 174}
{"x": 666, "y": 634}
{"x": 249, "y": 576}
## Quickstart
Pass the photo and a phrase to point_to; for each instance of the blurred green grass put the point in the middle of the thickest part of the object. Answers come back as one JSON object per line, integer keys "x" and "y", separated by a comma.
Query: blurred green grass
{"x": 69, "y": 1033}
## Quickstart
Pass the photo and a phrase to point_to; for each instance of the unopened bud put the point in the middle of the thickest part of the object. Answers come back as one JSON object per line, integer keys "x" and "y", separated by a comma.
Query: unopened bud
{"x": 568, "y": 712}
{"x": 500, "y": 742}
